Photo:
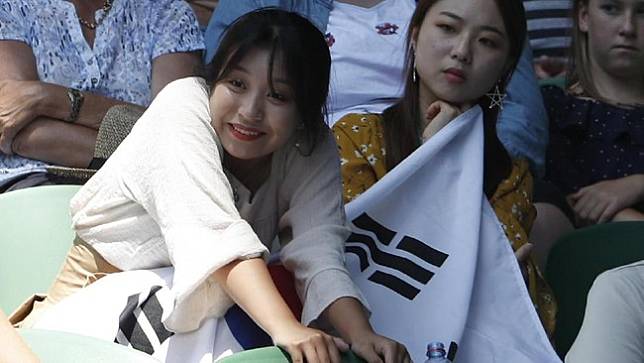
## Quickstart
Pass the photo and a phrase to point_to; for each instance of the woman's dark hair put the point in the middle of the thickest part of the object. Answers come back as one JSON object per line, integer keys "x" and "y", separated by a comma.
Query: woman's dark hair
{"x": 401, "y": 126}
{"x": 302, "y": 51}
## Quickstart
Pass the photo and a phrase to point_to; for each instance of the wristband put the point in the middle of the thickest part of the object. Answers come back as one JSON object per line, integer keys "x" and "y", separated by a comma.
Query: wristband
{"x": 76, "y": 99}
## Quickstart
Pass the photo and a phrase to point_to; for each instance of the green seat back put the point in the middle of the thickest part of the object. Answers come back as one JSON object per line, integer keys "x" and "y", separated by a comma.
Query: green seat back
{"x": 557, "y": 81}
{"x": 577, "y": 259}
{"x": 53, "y": 347}
{"x": 35, "y": 235}
{"x": 275, "y": 355}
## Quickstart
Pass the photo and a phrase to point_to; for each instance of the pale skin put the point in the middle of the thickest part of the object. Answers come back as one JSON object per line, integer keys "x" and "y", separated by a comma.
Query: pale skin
{"x": 245, "y": 280}
{"x": 454, "y": 38}
{"x": 14, "y": 349}
{"x": 618, "y": 76}
{"x": 609, "y": 200}
{"x": 32, "y": 111}
{"x": 546, "y": 67}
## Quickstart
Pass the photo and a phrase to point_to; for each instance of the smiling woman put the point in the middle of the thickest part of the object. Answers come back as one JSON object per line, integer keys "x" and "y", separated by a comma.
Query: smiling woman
{"x": 253, "y": 116}
{"x": 212, "y": 174}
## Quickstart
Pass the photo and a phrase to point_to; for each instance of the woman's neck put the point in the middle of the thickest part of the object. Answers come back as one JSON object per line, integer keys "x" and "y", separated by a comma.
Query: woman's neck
{"x": 251, "y": 173}
{"x": 624, "y": 90}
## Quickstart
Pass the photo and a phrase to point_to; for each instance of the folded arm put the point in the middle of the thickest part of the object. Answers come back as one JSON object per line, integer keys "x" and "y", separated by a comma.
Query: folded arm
{"x": 609, "y": 200}
{"x": 25, "y": 99}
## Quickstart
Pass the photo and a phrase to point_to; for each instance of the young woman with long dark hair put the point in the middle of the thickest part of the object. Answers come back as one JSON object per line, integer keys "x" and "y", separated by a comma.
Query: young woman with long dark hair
{"x": 460, "y": 53}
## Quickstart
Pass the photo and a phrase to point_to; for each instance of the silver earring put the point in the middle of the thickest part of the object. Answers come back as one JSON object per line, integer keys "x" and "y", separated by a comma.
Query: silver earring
{"x": 414, "y": 74}
{"x": 496, "y": 97}
{"x": 299, "y": 129}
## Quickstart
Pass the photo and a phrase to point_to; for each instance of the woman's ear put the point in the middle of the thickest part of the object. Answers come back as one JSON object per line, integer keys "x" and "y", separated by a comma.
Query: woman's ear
{"x": 582, "y": 17}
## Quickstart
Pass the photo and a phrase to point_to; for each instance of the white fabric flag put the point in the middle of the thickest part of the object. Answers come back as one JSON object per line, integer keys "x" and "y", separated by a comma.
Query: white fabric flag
{"x": 128, "y": 308}
{"x": 433, "y": 261}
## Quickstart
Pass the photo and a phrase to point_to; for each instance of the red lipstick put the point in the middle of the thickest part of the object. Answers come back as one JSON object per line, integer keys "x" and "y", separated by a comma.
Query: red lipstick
{"x": 244, "y": 133}
{"x": 455, "y": 75}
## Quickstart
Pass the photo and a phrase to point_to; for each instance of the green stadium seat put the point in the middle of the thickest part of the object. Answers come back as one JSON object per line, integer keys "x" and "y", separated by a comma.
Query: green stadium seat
{"x": 577, "y": 259}
{"x": 54, "y": 347}
{"x": 275, "y": 355}
{"x": 35, "y": 235}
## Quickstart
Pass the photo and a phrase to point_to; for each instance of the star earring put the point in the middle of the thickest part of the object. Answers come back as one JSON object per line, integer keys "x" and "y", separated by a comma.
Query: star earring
{"x": 496, "y": 97}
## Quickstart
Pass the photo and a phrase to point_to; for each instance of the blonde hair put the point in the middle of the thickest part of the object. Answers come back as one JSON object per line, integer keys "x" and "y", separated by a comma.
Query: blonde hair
{"x": 579, "y": 78}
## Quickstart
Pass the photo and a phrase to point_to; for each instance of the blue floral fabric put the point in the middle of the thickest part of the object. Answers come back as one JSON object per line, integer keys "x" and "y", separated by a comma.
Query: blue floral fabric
{"x": 119, "y": 65}
{"x": 131, "y": 35}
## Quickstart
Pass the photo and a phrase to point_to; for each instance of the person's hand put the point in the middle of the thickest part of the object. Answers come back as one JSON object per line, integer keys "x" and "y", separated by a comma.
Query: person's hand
{"x": 310, "y": 345}
{"x": 375, "y": 348}
{"x": 349, "y": 317}
{"x": 19, "y": 105}
{"x": 439, "y": 114}
{"x": 522, "y": 254}
{"x": 600, "y": 202}
{"x": 549, "y": 67}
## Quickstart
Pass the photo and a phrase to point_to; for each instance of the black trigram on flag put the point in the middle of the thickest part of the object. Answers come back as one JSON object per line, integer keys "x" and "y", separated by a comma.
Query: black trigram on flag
{"x": 140, "y": 325}
{"x": 359, "y": 244}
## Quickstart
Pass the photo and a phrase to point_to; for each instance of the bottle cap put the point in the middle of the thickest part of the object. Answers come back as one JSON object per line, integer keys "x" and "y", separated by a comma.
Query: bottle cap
{"x": 436, "y": 350}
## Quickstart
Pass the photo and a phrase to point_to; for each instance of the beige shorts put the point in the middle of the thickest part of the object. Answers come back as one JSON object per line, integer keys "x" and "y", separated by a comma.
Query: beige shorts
{"x": 83, "y": 265}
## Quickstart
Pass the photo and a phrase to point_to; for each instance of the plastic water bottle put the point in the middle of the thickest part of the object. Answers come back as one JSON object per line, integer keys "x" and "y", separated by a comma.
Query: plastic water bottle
{"x": 436, "y": 353}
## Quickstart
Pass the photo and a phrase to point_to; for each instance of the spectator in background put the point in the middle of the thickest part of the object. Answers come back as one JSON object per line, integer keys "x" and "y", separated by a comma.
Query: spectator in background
{"x": 366, "y": 39}
{"x": 63, "y": 64}
{"x": 549, "y": 24}
{"x": 595, "y": 160}
{"x": 596, "y": 153}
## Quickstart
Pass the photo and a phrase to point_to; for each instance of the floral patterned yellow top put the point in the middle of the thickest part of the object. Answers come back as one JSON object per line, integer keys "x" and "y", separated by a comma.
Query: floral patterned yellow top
{"x": 362, "y": 151}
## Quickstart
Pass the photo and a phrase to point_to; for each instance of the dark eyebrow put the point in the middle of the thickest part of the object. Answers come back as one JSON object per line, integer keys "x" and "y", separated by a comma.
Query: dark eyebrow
{"x": 451, "y": 15}
{"x": 246, "y": 71}
{"x": 484, "y": 27}
{"x": 493, "y": 29}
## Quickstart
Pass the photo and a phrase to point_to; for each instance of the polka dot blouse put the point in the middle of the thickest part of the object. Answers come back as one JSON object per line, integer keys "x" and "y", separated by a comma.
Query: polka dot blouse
{"x": 591, "y": 141}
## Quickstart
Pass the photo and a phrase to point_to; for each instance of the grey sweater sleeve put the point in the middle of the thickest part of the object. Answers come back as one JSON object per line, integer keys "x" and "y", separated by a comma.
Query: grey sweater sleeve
{"x": 316, "y": 217}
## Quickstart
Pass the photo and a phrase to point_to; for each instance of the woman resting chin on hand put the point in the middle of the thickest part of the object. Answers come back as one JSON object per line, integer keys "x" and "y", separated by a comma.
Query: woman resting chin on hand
{"x": 461, "y": 54}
